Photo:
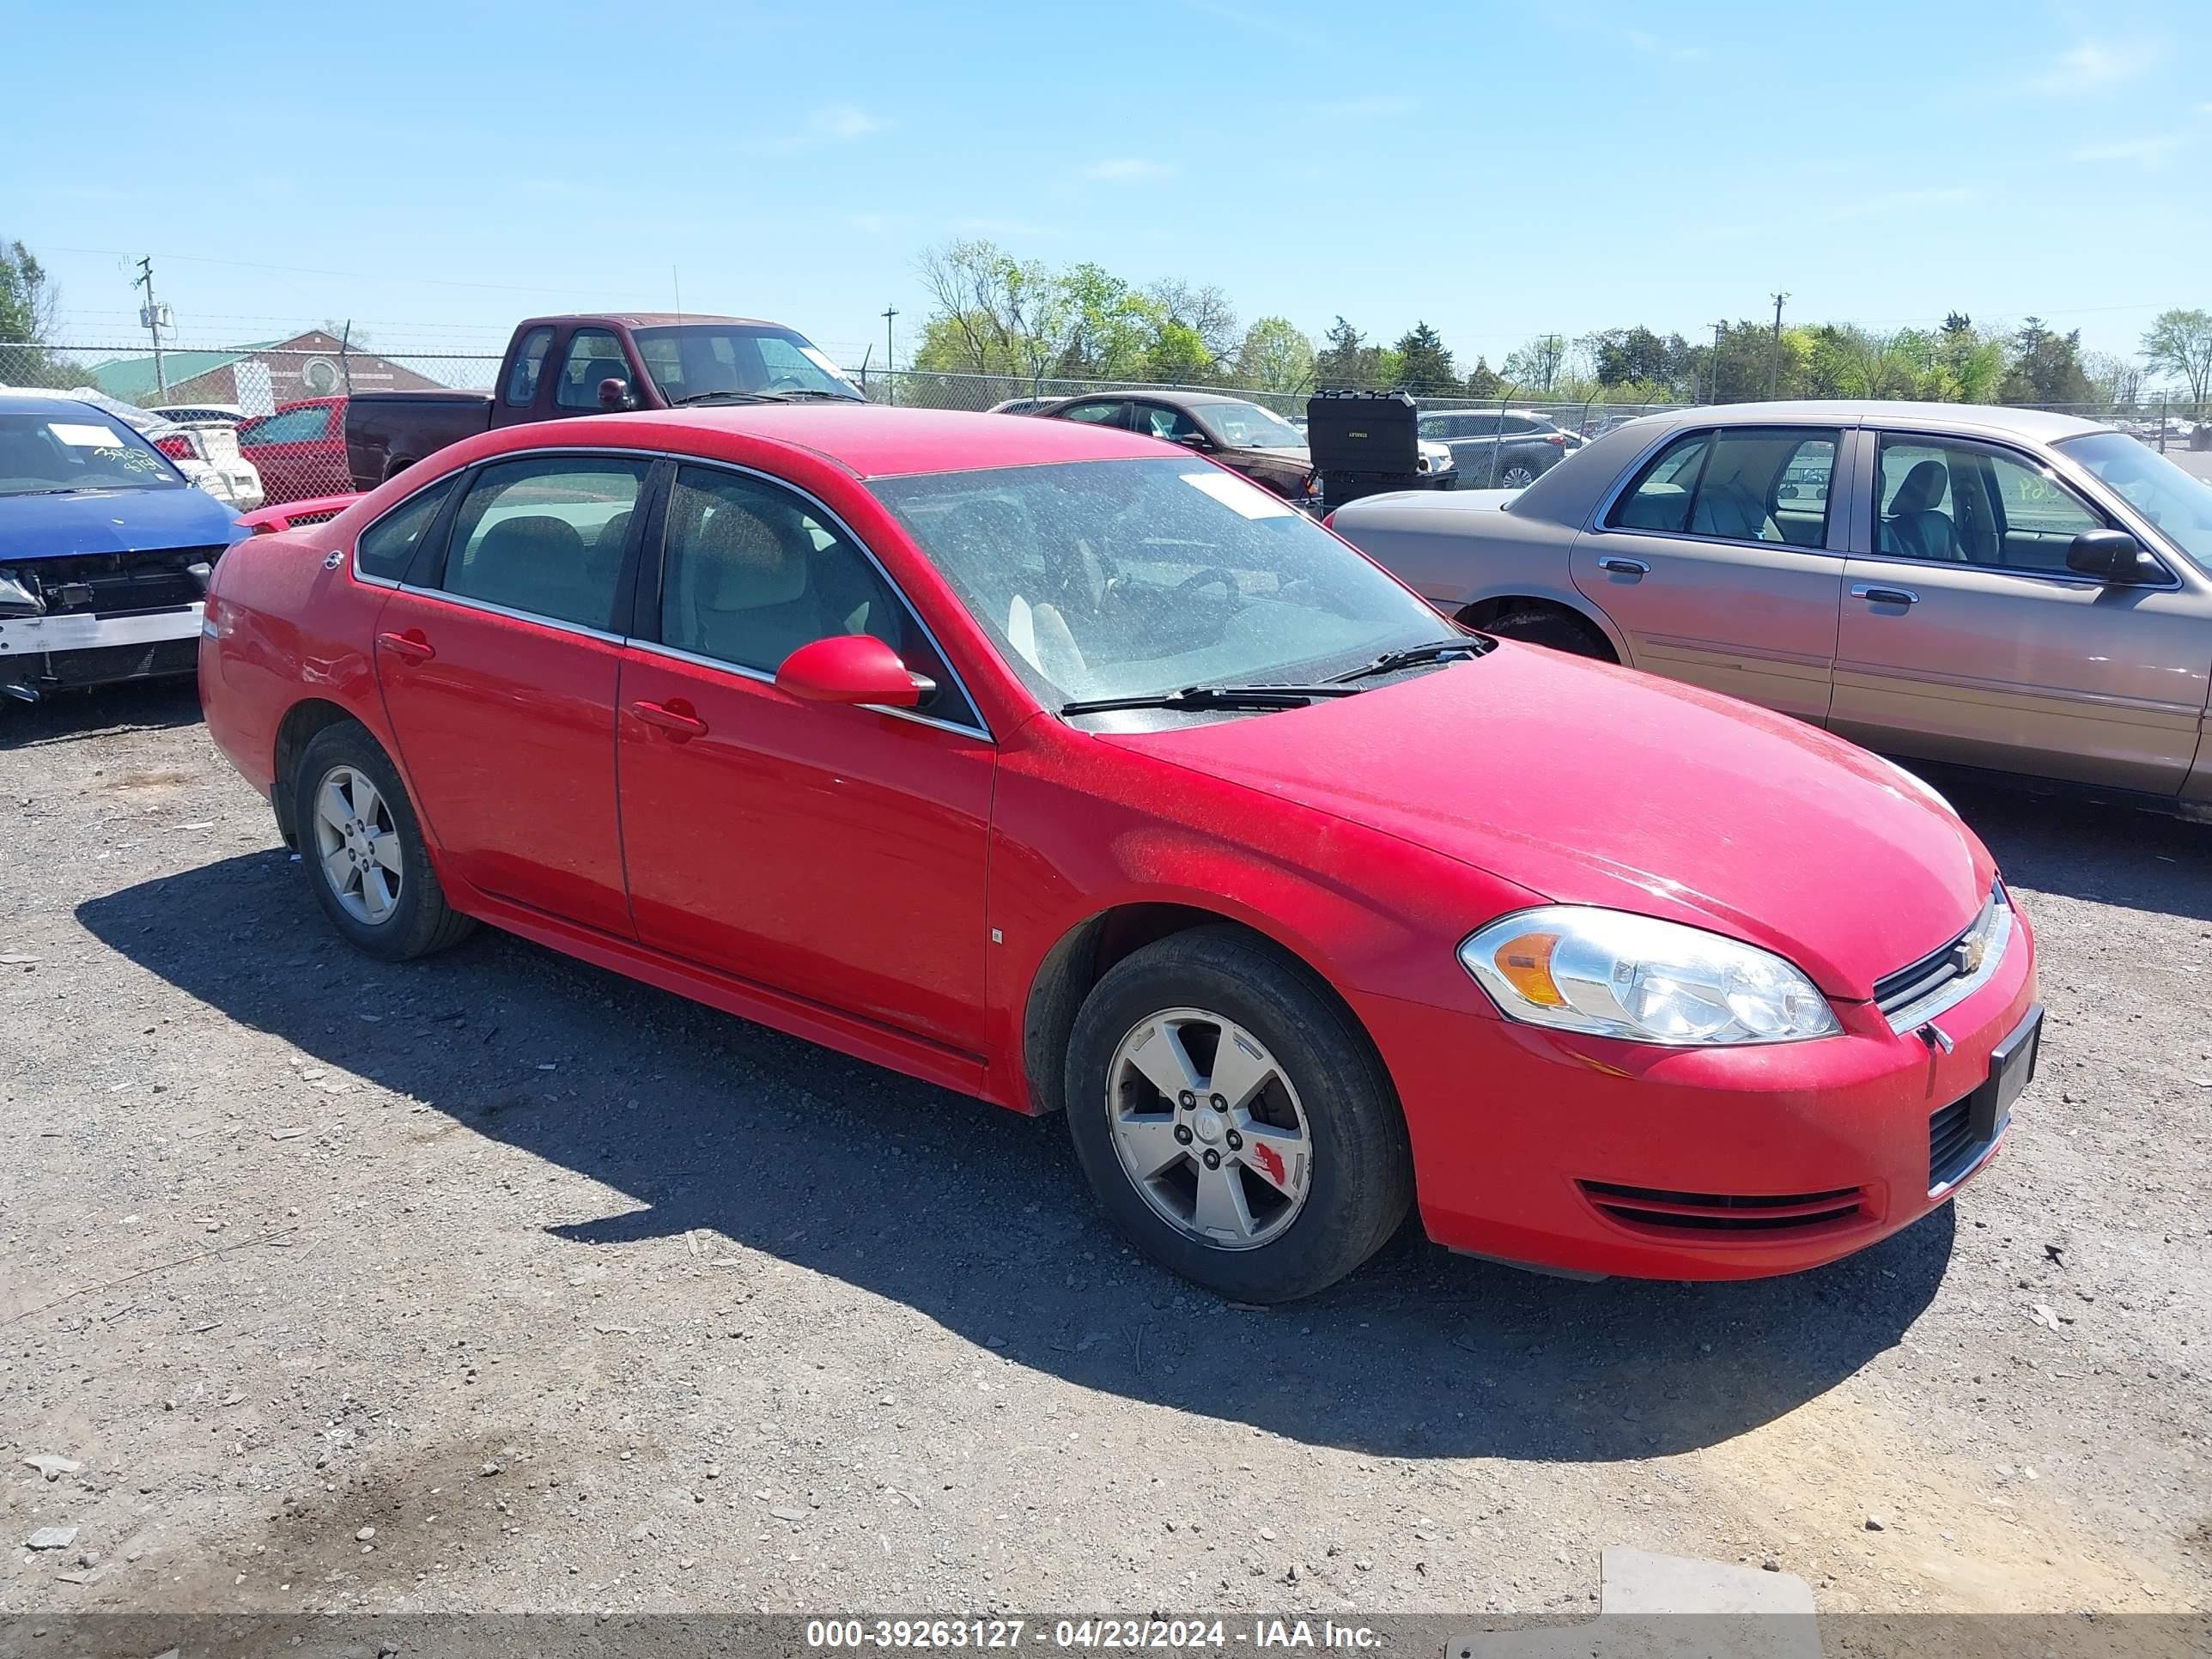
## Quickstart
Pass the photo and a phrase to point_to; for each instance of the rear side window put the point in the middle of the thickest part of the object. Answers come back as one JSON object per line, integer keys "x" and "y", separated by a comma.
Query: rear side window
{"x": 1753, "y": 484}
{"x": 387, "y": 547}
{"x": 1104, "y": 414}
{"x": 594, "y": 356}
{"x": 529, "y": 363}
{"x": 546, "y": 536}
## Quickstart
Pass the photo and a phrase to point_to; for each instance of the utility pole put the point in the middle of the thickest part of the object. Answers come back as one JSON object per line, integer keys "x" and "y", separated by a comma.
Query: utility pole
{"x": 1774, "y": 369}
{"x": 1714, "y": 388}
{"x": 891, "y": 360}
{"x": 151, "y": 315}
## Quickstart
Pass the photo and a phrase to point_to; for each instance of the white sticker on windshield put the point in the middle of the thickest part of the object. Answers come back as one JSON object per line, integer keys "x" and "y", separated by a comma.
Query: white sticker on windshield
{"x": 86, "y": 437}
{"x": 1238, "y": 496}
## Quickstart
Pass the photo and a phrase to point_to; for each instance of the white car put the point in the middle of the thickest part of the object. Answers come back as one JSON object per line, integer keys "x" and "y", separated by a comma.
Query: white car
{"x": 204, "y": 448}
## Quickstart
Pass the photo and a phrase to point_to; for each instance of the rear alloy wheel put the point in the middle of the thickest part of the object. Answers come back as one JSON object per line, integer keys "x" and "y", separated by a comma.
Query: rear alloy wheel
{"x": 1232, "y": 1120}
{"x": 363, "y": 848}
{"x": 1517, "y": 475}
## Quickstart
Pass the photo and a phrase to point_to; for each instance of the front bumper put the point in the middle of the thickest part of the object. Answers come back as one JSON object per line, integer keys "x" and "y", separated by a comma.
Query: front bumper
{"x": 44, "y": 653}
{"x": 1594, "y": 1156}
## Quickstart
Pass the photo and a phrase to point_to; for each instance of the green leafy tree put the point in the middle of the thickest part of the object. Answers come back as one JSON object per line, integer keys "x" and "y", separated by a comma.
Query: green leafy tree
{"x": 1204, "y": 311}
{"x": 1107, "y": 327}
{"x": 1536, "y": 367}
{"x": 990, "y": 313}
{"x": 2046, "y": 367}
{"x": 1275, "y": 356}
{"x": 1484, "y": 381}
{"x": 1424, "y": 362}
{"x": 2177, "y": 343}
{"x": 28, "y": 305}
{"x": 1346, "y": 360}
{"x": 1178, "y": 356}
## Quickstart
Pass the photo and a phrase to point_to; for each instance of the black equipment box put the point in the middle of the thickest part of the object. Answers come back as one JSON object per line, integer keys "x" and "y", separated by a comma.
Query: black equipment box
{"x": 1363, "y": 443}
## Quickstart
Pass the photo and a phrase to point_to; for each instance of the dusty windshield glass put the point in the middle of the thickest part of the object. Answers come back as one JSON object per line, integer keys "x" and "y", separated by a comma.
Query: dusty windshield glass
{"x": 2178, "y": 504}
{"x": 688, "y": 359}
{"x": 44, "y": 451}
{"x": 1113, "y": 579}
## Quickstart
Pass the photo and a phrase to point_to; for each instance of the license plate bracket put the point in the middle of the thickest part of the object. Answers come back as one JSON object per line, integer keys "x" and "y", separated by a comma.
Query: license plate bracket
{"x": 2012, "y": 1068}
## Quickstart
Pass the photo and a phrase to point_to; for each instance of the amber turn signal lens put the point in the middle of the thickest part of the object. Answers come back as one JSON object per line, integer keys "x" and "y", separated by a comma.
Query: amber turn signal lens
{"x": 1524, "y": 962}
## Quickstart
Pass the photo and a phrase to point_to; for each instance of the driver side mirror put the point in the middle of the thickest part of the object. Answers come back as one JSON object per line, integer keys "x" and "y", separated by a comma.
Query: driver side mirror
{"x": 614, "y": 394}
{"x": 2113, "y": 556}
{"x": 852, "y": 668}
{"x": 1194, "y": 441}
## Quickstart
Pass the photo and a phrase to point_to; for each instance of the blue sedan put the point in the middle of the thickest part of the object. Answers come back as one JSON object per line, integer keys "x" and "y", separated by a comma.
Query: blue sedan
{"x": 104, "y": 550}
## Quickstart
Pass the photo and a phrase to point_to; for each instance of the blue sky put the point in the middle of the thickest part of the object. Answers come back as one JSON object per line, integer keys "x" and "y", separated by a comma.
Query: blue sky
{"x": 1498, "y": 170}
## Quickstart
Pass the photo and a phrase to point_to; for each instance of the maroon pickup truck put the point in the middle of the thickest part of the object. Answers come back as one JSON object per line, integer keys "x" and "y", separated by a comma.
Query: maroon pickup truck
{"x": 558, "y": 367}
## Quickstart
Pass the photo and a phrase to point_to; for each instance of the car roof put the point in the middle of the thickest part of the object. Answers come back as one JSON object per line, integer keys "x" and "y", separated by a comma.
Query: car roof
{"x": 49, "y": 403}
{"x": 869, "y": 440}
{"x": 645, "y": 319}
{"x": 1154, "y": 394}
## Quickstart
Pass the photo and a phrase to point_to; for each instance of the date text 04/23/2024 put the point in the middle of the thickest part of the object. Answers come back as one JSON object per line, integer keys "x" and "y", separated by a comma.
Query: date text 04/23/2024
{"x": 1094, "y": 1634}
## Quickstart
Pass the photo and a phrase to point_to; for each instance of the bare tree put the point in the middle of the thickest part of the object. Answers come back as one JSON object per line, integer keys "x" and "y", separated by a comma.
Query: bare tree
{"x": 1206, "y": 311}
{"x": 990, "y": 313}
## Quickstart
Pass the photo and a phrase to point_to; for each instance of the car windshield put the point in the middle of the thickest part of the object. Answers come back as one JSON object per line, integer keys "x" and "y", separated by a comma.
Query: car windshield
{"x": 49, "y": 449}
{"x": 1134, "y": 578}
{"x": 2180, "y": 507}
{"x": 1248, "y": 426}
{"x": 688, "y": 360}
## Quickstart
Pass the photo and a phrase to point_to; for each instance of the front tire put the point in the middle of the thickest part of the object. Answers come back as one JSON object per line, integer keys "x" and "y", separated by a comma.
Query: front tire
{"x": 1231, "y": 1119}
{"x": 362, "y": 846}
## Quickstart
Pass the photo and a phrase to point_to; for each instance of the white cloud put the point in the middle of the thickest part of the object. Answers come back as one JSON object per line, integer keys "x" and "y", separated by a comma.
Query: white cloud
{"x": 2149, "y": 153}
{"x": 834, "y": 123}
{"x": 2095, "y": 66}
{"x": 1128, "y": 170}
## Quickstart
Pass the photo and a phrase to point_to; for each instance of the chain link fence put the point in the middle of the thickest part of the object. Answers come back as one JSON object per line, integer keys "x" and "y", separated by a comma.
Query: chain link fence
{"x": 277, "y": 410}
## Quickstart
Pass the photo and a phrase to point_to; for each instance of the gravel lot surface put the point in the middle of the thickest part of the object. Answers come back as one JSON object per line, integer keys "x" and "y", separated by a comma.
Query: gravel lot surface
{"x": 581, "y": 1297}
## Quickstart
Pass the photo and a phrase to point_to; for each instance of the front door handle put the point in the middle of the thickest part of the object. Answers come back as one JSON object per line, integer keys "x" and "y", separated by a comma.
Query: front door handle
{"x": 1621, "y": 567}
{"x": 675, "y": 717}
{"x": 411, "y": 644}
{"x": 1878, "y": 594}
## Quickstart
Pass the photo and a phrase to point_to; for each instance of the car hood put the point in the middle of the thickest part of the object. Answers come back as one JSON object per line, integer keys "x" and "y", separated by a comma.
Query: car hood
{"x": 1285, "y": 460}
{"x": 1592, "y": 785}
{"x": 111, "y": 521}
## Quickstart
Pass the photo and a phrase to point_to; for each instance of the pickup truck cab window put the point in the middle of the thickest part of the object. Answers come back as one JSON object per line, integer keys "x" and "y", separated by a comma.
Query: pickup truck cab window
{"x": 546, "y": 536}
{"x": 594, "y": 355}
{"x": 529, "y": 363}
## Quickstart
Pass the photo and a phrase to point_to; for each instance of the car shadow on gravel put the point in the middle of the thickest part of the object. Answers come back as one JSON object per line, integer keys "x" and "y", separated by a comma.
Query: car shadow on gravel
{"x": 978, "y": 1217}
{"x": 2054, "y": 839}
{"x": 105, "y": 711}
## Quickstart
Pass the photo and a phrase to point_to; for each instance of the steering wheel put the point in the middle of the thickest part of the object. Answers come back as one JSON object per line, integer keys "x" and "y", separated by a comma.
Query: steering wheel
{"x": 786, "y": 383}
{"x": 1207, "y": 578}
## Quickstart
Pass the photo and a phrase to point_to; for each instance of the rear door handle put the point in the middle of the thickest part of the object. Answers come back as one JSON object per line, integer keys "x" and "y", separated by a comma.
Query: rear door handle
{"x": 411, "y": 644}
{"x": 1877, "y": 593}
{"x": 675, "y": 716}
{"x": 1621, "y": 567}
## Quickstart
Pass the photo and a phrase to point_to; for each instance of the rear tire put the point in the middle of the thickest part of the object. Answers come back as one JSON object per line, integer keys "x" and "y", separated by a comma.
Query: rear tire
{"x": 1308, "y": 1082}
{"x": 1516, "y": 475}
{"x": 363, "y": 849}
{"x": 1555, "y": 630}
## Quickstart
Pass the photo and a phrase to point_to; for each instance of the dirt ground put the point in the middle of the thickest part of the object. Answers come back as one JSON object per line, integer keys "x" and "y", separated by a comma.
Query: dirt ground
{"x": 585, "y": 1297}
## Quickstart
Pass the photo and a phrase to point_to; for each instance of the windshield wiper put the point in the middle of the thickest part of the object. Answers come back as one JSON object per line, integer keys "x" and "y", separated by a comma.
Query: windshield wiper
{"x": 1216, "y": 696}
{"x": 719, "y": 396}
{"x": 814, "y": 392}
{"x": 1413, "y": 655}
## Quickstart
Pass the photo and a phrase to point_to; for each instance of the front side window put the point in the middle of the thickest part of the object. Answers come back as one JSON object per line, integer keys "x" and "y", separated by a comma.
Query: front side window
{"x": 1159, "y": 421}
{"x": 1960, "y": 503}
{"x": 1248, "y": 426}
{"x": 1132, "y": 578}
{"x": 1751, "y": 484}
{"x": 2176, "y": 505}
{"x": 387, "y": 547}
{"x": 55, "y": 452}
{"x": 751, "y": 571}
{"x": 594, "y": 355}
{"x": 529, "y": 363}
{"x": 546, "y": 536}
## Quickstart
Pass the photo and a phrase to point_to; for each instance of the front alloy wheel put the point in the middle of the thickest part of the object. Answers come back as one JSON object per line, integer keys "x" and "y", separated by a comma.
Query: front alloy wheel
{"x": 359, "y": 844}
{"x": 1209, "y": 1129}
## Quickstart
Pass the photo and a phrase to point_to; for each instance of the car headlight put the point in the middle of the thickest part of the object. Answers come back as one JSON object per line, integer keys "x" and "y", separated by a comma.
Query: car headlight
{"x": 1609, "y": 973}
{"x": 18, "y": 598}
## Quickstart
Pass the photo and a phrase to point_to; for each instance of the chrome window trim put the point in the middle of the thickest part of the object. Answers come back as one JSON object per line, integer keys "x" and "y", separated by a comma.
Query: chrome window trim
{"x": 982, "y": 727}
{"x": 1949, "y": 994}
{"x": 470, "y": 602}
{"x": 2096, "y": 498}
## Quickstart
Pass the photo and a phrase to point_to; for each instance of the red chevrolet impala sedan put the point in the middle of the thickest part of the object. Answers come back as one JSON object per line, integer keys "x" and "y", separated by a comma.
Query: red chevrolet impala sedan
{"x": 1054, "y": 764}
